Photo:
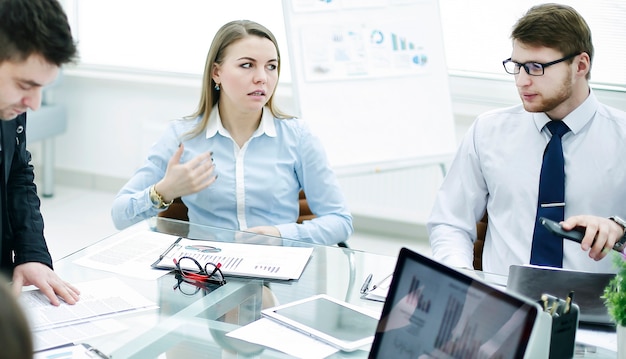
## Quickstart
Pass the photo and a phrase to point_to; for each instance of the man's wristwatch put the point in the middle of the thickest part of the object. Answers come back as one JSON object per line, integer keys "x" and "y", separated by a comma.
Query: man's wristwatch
{"x": 157, "y": 200}
{"x": 619, "y": 245}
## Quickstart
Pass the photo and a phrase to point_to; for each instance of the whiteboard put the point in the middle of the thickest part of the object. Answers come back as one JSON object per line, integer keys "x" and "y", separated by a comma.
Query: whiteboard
{"x": 370, "y": 78}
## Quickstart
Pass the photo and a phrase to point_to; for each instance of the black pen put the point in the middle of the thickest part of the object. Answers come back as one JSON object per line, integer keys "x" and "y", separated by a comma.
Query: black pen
{"x": 382, "y": 281}
{"x": 169, "y": 248}
{"x": 366, "y": 284}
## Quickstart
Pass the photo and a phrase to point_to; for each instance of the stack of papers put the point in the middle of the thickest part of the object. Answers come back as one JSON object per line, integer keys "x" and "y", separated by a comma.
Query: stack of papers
{"x": 101, "y": 299}
{"x": 134, "y": 255}
{"x": 131, "y": 255}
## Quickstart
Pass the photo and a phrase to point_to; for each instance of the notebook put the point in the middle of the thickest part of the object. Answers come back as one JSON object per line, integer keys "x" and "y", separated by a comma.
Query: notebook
{"x": 435, "y": 311}
{"x": 532, "y": 281}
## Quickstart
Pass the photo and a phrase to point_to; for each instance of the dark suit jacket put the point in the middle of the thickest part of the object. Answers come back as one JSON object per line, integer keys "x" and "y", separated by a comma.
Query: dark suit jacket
{"x": 22, "y": 223}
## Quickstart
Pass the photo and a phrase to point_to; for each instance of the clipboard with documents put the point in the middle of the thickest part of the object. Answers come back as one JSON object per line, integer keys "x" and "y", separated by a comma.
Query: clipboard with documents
{"x": 240, "y": 259}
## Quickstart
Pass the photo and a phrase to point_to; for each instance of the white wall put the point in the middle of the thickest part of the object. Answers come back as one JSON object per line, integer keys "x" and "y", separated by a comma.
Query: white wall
{"x": 113, "y": 122}
{"x": 113, "y": 119}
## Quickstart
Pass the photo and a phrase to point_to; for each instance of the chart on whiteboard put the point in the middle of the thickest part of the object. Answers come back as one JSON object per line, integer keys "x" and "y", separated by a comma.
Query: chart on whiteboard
{"x": 371, "y": 80}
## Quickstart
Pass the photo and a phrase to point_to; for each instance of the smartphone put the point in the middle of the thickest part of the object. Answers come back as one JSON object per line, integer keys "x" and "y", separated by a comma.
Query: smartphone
{"x": 575, "y": 234}
{"x": 554, "y": 227}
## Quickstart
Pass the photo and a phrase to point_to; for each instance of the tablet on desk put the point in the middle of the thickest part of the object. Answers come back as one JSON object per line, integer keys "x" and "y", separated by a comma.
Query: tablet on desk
{"x": 340, "y": 324}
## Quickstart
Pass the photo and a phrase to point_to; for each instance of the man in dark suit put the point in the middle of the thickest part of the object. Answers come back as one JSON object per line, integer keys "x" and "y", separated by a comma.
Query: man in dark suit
{"x": 35, "y": 40}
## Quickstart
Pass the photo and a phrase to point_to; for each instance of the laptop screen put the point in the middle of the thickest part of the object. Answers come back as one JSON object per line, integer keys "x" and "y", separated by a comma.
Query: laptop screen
{"x": 435, "y": 311}
{"x": 532, "y": 282}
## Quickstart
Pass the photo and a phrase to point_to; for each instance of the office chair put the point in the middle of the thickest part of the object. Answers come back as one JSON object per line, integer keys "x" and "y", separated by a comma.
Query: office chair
{"x": 178, "y": 211}
{"x": 481, "y": 232}
{"x": 305, "y": 213}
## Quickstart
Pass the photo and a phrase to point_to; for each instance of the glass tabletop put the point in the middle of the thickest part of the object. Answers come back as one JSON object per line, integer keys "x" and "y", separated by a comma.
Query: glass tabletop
{"x": 192, "y": 321}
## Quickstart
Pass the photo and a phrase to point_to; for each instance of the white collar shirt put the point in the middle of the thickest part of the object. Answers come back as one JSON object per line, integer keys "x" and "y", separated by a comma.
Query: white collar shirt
{"x": 497, "y": 169}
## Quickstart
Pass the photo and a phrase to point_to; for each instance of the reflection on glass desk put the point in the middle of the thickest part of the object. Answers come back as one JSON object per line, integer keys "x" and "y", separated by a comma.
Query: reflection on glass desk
{"x": 192, "y": 321}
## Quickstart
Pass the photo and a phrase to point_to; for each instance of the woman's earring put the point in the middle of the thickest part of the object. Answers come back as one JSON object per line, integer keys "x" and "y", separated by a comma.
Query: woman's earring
{"x": 217, "y": 87}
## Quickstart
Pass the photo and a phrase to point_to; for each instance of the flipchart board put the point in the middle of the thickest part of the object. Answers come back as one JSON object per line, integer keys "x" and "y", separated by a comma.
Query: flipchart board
{"x": 370, "y": 78}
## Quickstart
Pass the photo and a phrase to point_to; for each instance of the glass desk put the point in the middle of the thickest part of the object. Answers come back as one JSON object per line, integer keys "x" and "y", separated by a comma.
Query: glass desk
{"x": 192, "y": 322}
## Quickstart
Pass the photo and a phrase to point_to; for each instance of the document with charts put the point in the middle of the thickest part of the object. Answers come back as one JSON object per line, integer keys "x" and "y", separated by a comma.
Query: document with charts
{"x": 241, "y": 259}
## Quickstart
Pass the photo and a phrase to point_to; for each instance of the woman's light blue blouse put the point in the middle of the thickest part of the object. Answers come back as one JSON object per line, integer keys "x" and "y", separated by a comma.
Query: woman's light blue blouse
{"x": 257, "y": 184}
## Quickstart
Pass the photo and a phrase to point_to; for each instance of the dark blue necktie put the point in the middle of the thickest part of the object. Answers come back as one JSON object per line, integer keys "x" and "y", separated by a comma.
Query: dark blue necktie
{"x": 547, "y": 249}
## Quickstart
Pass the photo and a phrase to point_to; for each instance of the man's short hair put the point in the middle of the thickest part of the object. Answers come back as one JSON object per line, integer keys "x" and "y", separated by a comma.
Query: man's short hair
{"x": 556, "y": 26}
{"x": 35, "y": 27}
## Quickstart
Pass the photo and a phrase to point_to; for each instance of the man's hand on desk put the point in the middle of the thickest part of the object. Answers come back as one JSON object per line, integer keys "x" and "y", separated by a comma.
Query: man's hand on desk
{"x": 601, "y": 234}
{"x": 44, "y": 278}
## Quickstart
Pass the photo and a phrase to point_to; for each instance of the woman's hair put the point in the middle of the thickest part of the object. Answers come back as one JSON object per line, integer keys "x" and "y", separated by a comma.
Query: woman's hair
{"x": 225, "y": 36}
{"x": 555, "y": 26}
{"x": 15, "y": 336}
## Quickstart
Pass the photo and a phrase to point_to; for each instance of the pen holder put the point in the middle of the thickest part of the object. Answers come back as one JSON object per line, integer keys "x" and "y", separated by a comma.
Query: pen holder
{"x": 563, "y": 329}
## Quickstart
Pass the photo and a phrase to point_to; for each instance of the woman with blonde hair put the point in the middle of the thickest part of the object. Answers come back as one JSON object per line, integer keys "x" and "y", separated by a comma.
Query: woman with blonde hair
{"x": 238, "y": 162}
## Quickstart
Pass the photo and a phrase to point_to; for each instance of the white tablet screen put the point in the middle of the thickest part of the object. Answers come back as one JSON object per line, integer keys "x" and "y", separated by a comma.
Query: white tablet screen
{"x": 331, "y": 318}
{"x": 333, "y": 321}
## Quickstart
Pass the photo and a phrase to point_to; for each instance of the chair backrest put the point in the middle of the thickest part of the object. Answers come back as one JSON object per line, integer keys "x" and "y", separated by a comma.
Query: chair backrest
{"x": 305, "y": 213}
{"x": 176, "y": 210}
{"x": 481, "y": 232}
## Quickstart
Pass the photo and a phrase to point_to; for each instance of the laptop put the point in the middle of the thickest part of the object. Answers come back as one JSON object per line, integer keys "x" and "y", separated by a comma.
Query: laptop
{"x": 532, "y": 281}
{"x": 435, "y": 311}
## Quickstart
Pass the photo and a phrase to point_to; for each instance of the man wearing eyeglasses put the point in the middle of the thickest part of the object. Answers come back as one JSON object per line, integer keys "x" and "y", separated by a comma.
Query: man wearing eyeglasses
{"x": 498, "y": 166}
{"x": 35, "y": 40}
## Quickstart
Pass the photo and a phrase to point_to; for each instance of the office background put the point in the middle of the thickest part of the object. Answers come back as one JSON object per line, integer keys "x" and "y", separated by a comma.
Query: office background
{"x": 141, "y": 65}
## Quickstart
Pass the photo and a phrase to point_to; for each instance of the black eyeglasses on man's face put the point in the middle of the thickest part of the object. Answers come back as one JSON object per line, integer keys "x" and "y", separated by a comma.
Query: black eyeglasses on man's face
{"x": 531, "y": 68}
